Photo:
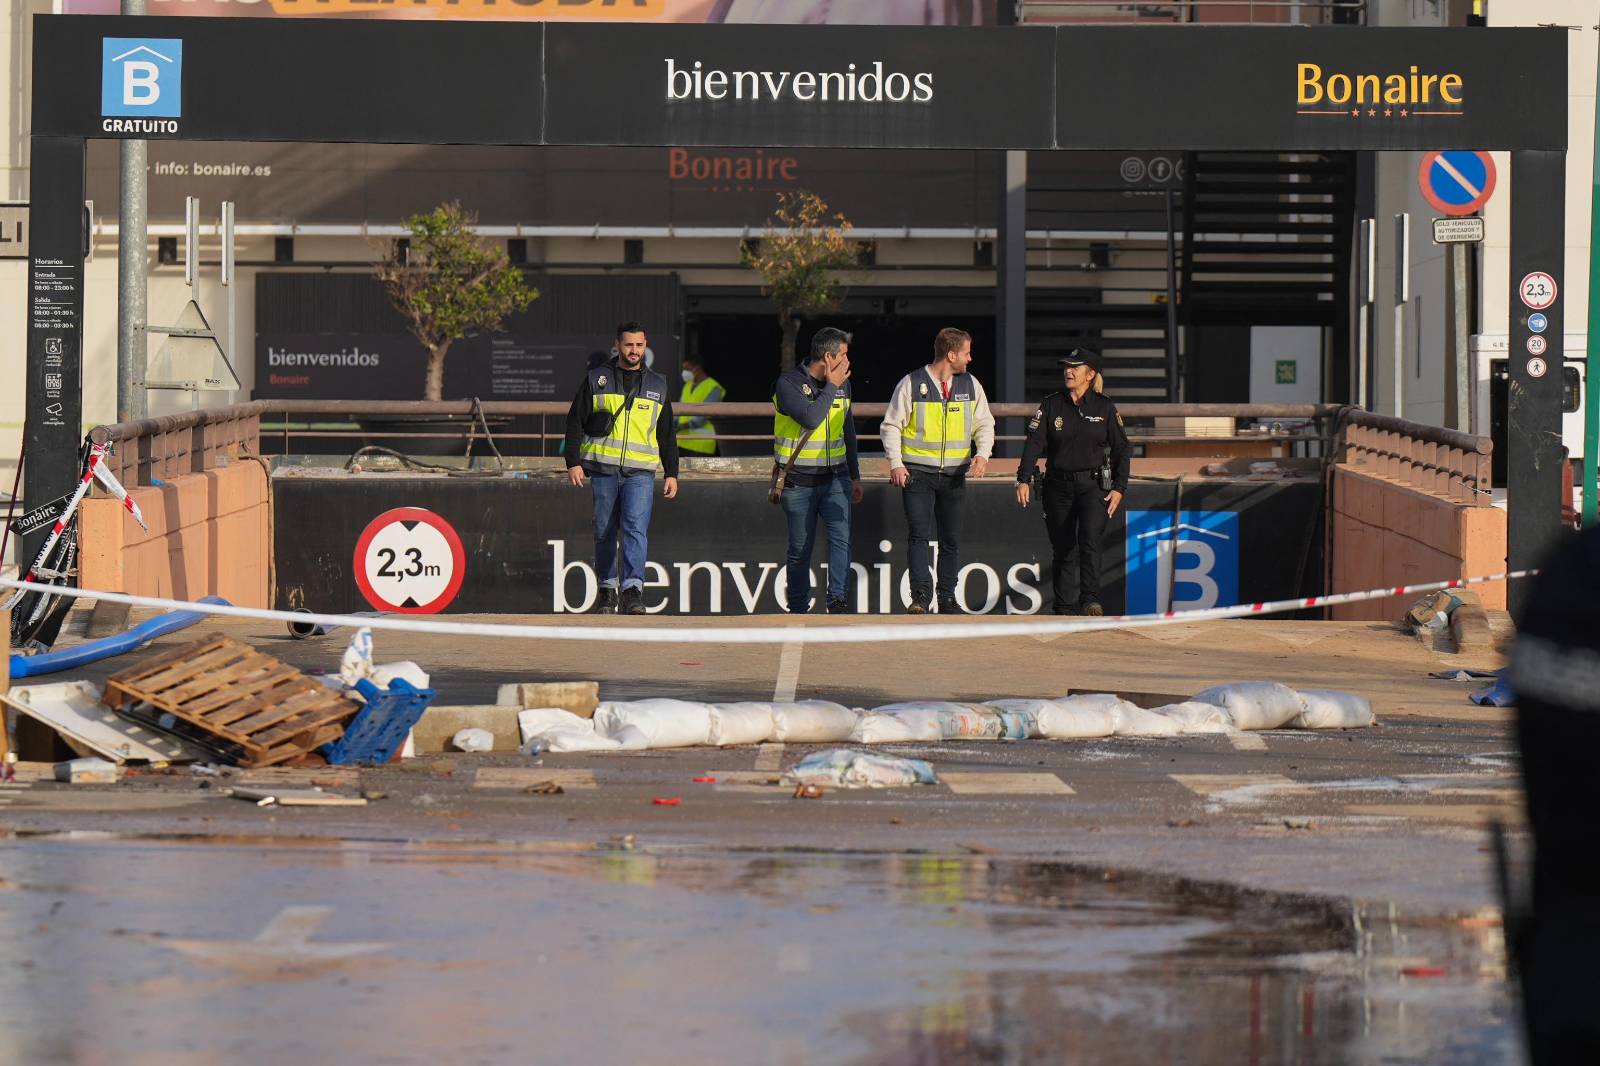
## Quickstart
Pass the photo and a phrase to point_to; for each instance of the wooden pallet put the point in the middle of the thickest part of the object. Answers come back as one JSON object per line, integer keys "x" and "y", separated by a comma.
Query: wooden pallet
{"x": 243, "y": 704}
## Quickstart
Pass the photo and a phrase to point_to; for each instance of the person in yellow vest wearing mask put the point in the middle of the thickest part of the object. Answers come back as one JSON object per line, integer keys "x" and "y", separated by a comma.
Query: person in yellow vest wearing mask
{"x": 812, "y": 426}
{"x": 696, "y": 435}
{"x": 937, "y": 430}
{"x": 619, "y": 429}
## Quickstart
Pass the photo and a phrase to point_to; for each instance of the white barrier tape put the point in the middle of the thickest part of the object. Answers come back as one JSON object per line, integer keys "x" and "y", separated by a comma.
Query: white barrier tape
{"x": 796, "y": 632}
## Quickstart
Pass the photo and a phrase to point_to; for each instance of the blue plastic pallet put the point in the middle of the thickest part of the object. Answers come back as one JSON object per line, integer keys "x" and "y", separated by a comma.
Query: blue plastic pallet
{"x": 379, "y": 728}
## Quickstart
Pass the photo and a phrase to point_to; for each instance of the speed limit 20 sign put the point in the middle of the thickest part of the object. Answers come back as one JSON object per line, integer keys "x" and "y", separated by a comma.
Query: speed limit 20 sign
{"x": 409, "y": 560}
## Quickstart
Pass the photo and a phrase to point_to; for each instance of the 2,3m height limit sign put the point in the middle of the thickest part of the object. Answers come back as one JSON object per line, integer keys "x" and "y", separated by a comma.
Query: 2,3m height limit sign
{"x": 409, "y": 560}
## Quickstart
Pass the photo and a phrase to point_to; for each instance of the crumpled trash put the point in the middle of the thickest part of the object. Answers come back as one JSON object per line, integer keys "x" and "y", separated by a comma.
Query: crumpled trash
{"x": 561, "y": 731}
{"x": 1499, "y": 694}
{"x": 1464, "y": 675}
{"x": 473, "y": 740}
{"x": 356, "y": 664}
{"x": 843, "y": 768}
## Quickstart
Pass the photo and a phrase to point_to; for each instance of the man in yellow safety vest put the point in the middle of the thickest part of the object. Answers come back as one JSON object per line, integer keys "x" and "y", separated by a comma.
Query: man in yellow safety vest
{"x": 937, "y": 430}
{"x": 619, "y": 429}
{"x": 696, "y": 435}
{"x": 812, "y": 426}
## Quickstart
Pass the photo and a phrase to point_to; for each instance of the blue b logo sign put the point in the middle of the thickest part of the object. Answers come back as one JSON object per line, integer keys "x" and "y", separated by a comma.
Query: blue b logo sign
{"x": 1192, "y": 556}
{"x": 141, "y": 76}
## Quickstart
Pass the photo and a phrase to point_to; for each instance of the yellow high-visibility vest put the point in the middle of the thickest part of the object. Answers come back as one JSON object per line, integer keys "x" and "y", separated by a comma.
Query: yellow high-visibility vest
{"x": 631, "y": 444}
{"x": 825, "y": 447}
{"x": 698, "y": 439}
{"x": 939, "y": 433}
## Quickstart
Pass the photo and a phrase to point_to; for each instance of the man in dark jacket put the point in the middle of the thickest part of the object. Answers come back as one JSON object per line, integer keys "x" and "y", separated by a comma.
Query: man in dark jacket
{"x": 619, "y": 429}
{"x": 812, "y": 426}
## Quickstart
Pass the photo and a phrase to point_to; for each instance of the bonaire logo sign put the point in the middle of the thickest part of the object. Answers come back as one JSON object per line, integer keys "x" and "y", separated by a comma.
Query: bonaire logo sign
{"x": 141, "y": 84}
{"x": 1394, "y": 96}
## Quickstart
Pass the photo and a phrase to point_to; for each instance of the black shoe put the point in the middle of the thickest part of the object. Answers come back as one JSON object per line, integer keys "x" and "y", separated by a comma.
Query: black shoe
{"x": 607, "y": 601}
{"x": 949, "y": 607}
{"x": 838, "y": 606}
{"x": 1066, "y": 612}
{"x": 633, "y": 601}
{"x": 919, "y": 607}
{"x": 1091, "y": 608}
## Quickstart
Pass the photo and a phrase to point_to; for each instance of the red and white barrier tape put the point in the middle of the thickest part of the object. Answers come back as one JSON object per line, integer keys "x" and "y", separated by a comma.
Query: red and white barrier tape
{"x": 795, "y": 631}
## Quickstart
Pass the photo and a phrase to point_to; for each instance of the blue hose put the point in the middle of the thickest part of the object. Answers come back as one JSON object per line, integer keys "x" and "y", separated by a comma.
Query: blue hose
{"x": 51, "y": 662}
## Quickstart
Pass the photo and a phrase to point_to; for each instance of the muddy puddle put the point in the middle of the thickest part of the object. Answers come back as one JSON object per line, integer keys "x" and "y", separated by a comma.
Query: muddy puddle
{"x": 245, "y": 951}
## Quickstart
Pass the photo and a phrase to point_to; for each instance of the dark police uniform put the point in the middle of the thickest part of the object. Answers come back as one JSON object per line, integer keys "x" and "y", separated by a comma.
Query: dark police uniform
{"x": 1555, "y": 672}
{"x": 1074, "y": 439}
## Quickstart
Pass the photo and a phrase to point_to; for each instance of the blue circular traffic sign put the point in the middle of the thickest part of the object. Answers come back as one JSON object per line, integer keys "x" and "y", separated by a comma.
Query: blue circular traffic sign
{"x": 1538, "y": 323}
{"x": 1456, "y": 182}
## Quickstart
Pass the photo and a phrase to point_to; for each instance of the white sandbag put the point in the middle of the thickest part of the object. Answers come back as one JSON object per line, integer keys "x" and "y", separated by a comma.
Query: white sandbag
{"x": 1080, "y": 717}
{"x": 473, "y": 740}
{"x": 414, "y": 675}
{"x": 812, "y": 722}
{"x": 1256, "y": 704}
{"x": 1330, "y": 709}
{"x": 919, "y": 727}
{"x": 1131, "y": 720}
{"x": 562, "y": 731}
{"x": 957, "y": 721}
{"x": 1192, "y": 716}
{"x": 858, "y": 769}
{"x": 663, "y": 723}
{"x": 740, "y": 723}
{"x": 1019, "y": 719}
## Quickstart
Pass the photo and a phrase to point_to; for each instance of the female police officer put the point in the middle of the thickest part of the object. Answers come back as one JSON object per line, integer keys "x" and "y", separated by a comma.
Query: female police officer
{"x": 1073, "y": 429}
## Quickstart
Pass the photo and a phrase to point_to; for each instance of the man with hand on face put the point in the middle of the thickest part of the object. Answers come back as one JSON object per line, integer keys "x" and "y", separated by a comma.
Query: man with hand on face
{"x": 937, "y": 418}
{"x": 813, "y": 428}
{"x": 619, "y": 428}
{"x": 1073, "y": 430}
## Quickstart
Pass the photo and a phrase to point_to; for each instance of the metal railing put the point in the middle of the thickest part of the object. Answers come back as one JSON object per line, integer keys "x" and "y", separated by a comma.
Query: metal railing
{"x": 1210, "y": 12}
{"x": 192, "y": 442}
{"x": 1437, "y": 460}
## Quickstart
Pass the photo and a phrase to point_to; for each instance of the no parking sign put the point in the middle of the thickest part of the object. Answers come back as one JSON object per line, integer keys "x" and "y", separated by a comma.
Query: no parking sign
{"x": 409, "y": 560}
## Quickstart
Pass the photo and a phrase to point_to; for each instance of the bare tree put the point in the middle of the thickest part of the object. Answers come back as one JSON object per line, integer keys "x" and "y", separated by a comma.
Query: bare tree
{"x": 448, "y": 283}
{"x": 798, "y": 257}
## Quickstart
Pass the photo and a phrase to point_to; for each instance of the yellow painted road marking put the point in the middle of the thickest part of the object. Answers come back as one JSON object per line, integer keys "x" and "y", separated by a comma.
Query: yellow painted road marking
{"x": 979, "y": 783}
{"x": 1247, "y": 742}
{"x": 524, "y": 776}
{"x": 745, "y": 777}
{"x": 768, "y": 756}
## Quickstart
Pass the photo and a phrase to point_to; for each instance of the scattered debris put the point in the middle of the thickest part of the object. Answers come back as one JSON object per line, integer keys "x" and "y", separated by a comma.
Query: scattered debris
{"x": 296, "y": 797}
{"x": 808, "y": 792}
{"x": 525, "y": 777}
{"x": 544, "y": 788}
{"x": 227, "y": 697}
{"x": 384, "y": 723}
{"x": 89, "y": 771}
{"x": 704, "y": 780}
{"x": 667, "y": 801}
{"x": 73, "y": 709}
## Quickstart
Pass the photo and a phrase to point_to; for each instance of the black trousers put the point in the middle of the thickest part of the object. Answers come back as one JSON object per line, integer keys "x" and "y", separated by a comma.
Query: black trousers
{"x": 1075, "y": 516}
{"x": 934, "y": 503}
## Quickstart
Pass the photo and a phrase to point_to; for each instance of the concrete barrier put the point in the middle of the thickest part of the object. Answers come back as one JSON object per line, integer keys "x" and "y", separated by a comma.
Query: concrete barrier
{"x": 209, "y": 536}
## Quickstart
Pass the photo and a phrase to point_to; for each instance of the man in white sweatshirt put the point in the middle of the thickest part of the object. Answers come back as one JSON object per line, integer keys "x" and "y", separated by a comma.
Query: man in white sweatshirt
{"x": 938, "y": 428}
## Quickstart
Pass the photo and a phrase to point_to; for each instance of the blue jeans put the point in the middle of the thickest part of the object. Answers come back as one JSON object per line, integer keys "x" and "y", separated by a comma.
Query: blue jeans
{"x": 802, "y": 504}
{"x": 622, "y": 500}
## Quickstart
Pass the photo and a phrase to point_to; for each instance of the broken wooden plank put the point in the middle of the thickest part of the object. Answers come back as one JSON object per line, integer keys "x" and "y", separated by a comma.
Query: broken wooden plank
{"x": 298, "y": 797}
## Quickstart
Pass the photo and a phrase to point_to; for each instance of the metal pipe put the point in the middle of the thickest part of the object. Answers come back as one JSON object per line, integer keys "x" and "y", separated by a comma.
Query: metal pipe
{"x": 132, "y": 269}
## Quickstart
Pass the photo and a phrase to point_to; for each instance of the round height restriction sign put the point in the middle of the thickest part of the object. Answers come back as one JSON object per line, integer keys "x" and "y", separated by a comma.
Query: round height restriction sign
{"x": 1538, "y": 290}
{"x": 409, "y": 560}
